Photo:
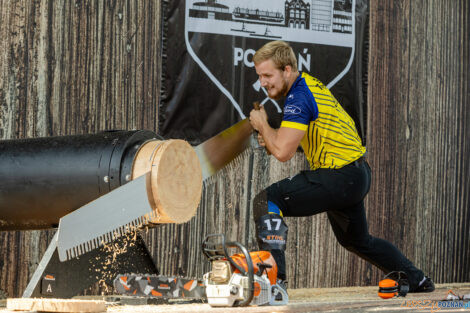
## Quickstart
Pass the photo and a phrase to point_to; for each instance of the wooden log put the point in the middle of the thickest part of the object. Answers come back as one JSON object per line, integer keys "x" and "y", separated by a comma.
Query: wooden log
{"x": 55, "y": 305}
{"x": 176, "y": 179}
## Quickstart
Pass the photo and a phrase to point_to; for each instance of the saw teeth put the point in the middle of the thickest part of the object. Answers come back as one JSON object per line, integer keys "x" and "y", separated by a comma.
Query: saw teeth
{"x": 109, "y": 236}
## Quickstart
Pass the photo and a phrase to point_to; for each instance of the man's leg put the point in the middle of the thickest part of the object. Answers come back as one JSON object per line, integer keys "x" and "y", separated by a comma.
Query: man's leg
{"x": 289, "y": 197}
{"x": 334, "y": 191}
{"x": 350, "y": 228}
{"x": 262, "y": 211}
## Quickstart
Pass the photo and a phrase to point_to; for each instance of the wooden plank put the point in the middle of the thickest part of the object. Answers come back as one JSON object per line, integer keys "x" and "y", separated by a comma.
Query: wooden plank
{"x": 55, "y": 305}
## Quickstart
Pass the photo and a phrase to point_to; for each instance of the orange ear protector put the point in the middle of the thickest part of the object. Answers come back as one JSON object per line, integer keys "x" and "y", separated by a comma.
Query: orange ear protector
{"x": 388, "y": 288}
{"x": 394, "y": 284}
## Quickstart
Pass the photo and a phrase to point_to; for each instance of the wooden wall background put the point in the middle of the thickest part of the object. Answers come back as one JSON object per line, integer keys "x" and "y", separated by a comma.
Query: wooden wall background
{"x": 72, "y": 67}
{"x": 85, "y": 66}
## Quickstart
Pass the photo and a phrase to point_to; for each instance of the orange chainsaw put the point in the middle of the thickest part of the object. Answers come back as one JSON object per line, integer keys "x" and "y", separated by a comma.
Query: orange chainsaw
{"x": 240, "y": 279}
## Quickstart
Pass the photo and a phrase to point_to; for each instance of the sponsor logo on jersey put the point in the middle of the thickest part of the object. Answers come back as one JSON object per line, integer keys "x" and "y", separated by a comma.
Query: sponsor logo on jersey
{"x": 292, "y": 109}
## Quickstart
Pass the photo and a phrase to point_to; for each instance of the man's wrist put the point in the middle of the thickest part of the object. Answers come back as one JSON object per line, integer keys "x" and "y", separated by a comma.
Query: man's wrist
{"x": 263, "y": 127}
{"x": 267, "y": 132}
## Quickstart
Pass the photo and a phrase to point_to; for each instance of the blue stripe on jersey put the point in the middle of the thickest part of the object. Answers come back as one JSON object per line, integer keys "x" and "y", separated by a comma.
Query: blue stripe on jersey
{"x": 300, "y": 105}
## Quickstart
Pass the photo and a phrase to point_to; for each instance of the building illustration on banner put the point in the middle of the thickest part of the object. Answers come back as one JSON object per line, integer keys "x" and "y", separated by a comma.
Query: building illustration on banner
{"x": 308, "y": 22}
{"x": 333, "y": 16}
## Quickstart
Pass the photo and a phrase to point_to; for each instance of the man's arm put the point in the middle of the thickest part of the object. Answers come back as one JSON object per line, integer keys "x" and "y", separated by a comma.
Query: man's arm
{"x": 282, "y": 142}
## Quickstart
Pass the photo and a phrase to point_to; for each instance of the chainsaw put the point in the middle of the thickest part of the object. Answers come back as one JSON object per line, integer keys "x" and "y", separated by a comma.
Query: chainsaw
{"x": 241, "y": 279}
{"x": 238, "y": 280}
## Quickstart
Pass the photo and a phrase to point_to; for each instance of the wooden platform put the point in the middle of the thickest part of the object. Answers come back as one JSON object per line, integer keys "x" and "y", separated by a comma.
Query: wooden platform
{"x": 55, "y": 305}
{"x": 341, "y": 300}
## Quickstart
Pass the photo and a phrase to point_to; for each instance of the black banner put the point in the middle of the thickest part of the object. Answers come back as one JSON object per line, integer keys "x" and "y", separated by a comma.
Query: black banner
{"x": 209, "y": 80}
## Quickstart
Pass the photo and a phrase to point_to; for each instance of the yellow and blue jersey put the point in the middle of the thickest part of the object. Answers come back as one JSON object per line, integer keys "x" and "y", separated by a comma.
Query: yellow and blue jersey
{"x": 331, "y": 139}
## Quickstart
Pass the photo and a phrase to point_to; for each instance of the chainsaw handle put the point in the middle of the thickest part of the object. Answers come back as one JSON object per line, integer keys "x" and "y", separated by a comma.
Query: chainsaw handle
{"x": 213, "y": 251}
{"x": 235, "y": 244}
{"x": 250, "y": 273}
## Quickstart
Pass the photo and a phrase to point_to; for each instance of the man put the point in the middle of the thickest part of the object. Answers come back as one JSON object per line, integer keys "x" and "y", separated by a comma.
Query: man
{"x": 339, "y": 178}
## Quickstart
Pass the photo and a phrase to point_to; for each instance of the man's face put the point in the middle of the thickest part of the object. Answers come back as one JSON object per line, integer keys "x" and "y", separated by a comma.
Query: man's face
{"x": 273, "y": 79}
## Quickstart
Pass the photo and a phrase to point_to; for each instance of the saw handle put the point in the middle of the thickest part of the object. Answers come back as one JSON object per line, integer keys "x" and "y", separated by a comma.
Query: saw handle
{"x": 262, "y": 267}
{"x": 257, "y": 107}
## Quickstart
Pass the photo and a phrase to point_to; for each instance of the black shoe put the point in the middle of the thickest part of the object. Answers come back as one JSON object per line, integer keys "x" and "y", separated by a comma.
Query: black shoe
{"x": 283, "y": 285}
{"x": 426, "y": 286}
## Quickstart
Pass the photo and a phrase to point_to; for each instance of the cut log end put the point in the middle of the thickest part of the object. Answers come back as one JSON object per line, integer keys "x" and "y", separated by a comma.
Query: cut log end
{"x": 175, "y": 179}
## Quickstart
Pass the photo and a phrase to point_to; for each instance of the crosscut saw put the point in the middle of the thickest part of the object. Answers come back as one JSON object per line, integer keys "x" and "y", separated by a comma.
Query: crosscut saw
{"x": 132, "y": 205}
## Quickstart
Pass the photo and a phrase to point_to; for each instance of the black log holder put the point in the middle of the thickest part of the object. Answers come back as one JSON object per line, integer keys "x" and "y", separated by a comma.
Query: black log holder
{"x": 72, "y": 170}
{"x": 56, "y": 279}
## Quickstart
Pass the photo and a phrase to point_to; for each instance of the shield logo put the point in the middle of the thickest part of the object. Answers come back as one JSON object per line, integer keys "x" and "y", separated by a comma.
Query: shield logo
{"x": 221, "y": 37}
{"x": 309, "y": 26}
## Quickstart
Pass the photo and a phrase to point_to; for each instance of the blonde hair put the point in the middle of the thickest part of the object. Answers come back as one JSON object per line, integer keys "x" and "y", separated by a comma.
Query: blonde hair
{"x": 279, "y": 52}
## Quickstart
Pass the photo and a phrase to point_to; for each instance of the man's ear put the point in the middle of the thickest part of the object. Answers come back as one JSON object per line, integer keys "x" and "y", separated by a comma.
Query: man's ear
{"x": 288, "y": 70}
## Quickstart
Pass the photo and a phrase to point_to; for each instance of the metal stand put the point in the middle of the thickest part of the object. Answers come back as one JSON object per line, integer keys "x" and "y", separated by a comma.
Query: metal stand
{"x": 66, "y": 279}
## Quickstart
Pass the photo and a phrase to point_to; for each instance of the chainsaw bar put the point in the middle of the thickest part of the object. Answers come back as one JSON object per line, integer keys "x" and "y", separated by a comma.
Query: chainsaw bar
{"x": 158, "y": 286}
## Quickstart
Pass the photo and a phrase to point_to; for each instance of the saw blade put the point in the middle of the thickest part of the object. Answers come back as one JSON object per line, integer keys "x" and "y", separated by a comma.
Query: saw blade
{"x": 220, "y": 150}
{"x": 105, "y": 219}
{"x": 127, "y": 207}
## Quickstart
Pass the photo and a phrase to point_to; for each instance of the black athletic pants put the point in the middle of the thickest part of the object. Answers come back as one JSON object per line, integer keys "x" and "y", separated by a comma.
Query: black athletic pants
{"x": 339, "y": 193}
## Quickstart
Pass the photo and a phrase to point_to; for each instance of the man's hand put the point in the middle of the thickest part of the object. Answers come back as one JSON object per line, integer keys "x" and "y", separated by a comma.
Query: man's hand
{"x": 282, "y": 143}
{"x": 261, "y": 141}
{"x": 258, "y": 118}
